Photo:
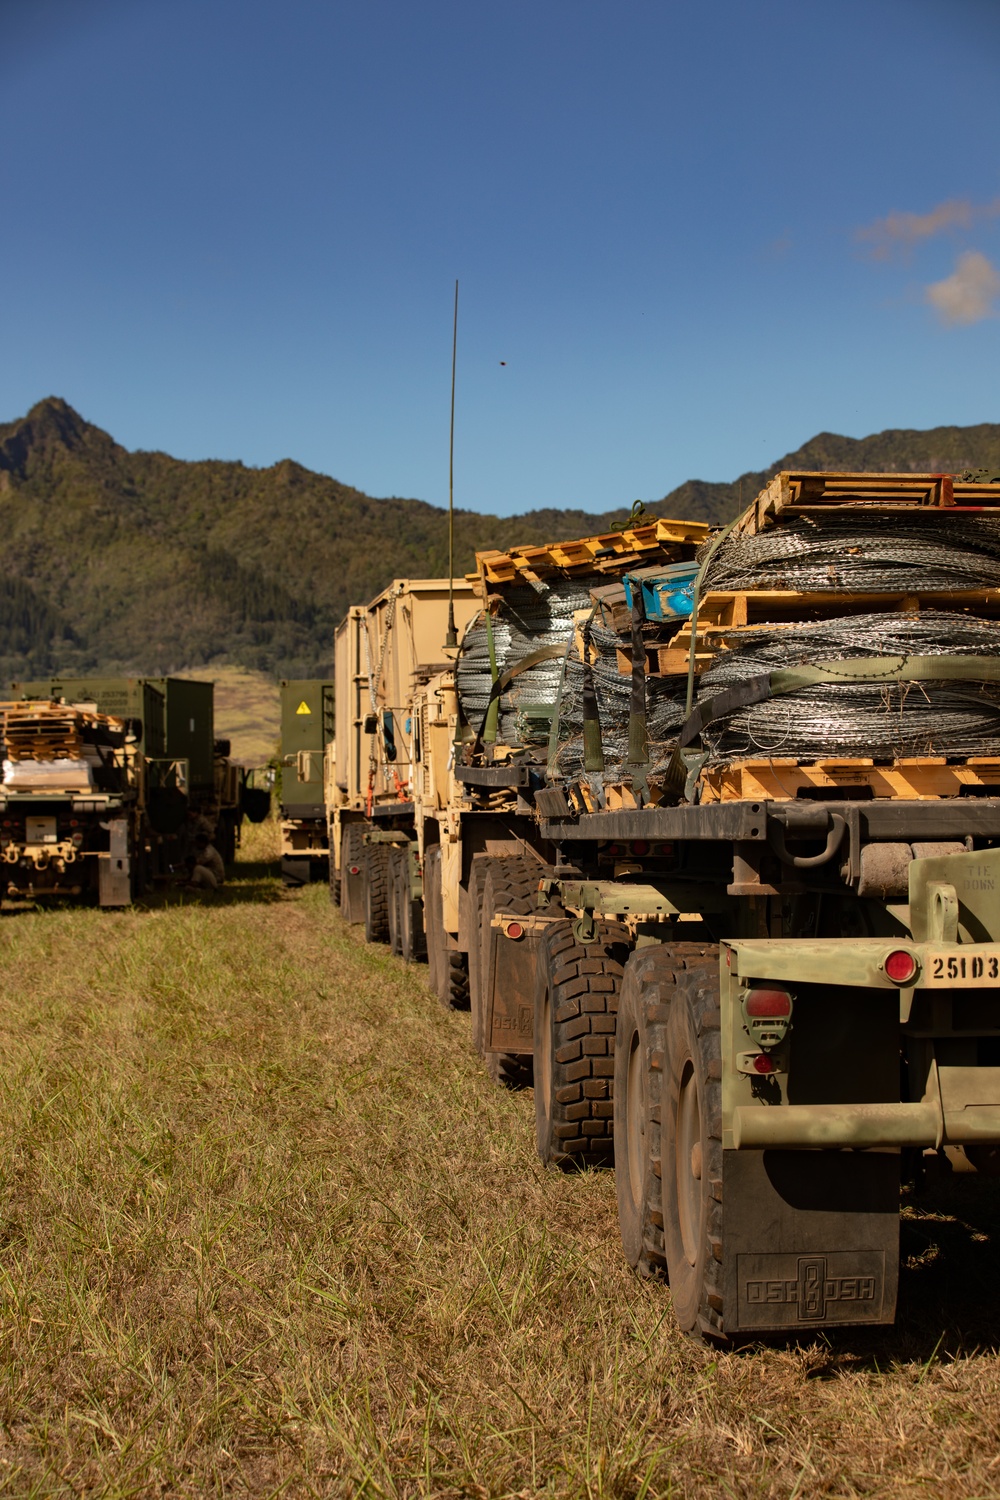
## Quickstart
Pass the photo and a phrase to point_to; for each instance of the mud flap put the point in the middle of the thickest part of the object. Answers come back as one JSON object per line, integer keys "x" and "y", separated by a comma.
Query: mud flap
{"x": 811, "y": 1239}
{"x": 114, "y": 869}
{"x": 509, "y": 984}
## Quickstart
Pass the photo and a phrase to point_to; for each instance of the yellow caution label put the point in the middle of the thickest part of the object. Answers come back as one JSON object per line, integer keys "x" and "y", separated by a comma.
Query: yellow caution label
{"x": 303, "y": 708}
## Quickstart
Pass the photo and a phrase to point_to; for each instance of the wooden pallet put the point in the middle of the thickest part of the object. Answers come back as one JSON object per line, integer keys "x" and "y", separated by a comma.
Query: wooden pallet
{"x": 36, "y": 730}
{"x": 665, "y": 661}
{"x": 611, "y": 552}
{"x": 723, "y": 610}
{"x": 804, "y": 492}
{"x": 781, "y": 779}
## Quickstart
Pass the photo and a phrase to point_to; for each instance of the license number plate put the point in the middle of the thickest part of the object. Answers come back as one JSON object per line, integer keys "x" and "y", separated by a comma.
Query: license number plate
{"x": 979, "y": 969}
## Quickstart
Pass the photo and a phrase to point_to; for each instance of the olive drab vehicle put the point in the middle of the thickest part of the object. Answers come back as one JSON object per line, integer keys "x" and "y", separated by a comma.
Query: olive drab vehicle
{"x": 306, "y": 730}
{"x": 710, "y": 830}
{"x": 105, "y": 781}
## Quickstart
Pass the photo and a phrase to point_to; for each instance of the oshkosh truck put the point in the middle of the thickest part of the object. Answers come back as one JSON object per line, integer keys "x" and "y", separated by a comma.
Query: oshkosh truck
{"x": 142, "y": 773}
{"x": 716, "y": 849}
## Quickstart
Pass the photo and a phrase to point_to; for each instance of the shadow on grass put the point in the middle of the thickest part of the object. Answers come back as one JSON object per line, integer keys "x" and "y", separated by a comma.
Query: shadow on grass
{"x": 949, "y": 1292}
{"x": 256, "y": 882}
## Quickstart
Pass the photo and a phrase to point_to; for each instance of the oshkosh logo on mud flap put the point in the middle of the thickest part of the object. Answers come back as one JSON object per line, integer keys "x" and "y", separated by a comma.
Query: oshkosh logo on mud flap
{"x": 812, "y": 1289}
{"x": 522, "y": 1023}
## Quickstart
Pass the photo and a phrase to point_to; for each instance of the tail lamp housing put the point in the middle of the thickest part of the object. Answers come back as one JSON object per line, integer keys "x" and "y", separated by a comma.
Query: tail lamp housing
{"x": 767, "y": 1014}
{"x": 901, "y": 966}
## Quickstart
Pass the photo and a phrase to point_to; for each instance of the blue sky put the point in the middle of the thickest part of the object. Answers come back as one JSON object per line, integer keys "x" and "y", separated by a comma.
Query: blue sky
{"x": 688, "y": 235}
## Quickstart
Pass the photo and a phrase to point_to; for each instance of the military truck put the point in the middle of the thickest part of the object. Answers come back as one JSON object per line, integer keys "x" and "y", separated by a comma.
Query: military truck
{"x": 306, "y": 729}
{"x": 74, "y": 798}
{"x": 383, "y": 651}
{"x": 489, "y": 739}
{"x": 177, "y": 777}
{"x": 758, "y": 936}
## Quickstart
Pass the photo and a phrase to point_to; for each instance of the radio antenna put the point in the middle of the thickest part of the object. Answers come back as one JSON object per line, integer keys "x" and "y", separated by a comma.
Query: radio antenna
{"x": 451, "y": 639}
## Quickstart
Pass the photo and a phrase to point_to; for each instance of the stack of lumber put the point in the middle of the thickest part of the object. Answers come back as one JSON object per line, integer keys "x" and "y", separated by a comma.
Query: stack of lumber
{"x": 47, "y": 731}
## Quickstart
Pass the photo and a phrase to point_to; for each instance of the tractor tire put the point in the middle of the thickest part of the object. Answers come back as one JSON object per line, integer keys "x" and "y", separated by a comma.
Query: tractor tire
{"x": 648, "y": 989}
{"x": 691, "y": 1148}
{"x": 352, "y": 873}
{"x": 576, "y": 1005}
{"x": 509, "y": 888}
{"x": 449, "y": 971}
{"x": 334, "y": 880}
{"x": 376, "y": 876}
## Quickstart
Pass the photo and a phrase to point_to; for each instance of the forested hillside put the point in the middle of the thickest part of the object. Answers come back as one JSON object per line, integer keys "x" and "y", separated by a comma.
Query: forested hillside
{"x": 146, "y": 563}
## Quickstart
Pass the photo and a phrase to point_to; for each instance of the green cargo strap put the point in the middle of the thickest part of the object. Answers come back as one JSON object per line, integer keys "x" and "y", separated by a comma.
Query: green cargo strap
{"x": 684, "y": 764}
{"x": 696, "y": 605}
{"x": 593, "y": 750}
{"x": 503, "y": 682}
{"x": 553, "y": 746}
{"x": 886, "y": 669}
{"x": 638, "y": 744}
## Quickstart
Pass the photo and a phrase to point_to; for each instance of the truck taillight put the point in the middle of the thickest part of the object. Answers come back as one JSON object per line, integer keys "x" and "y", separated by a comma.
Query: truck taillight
{"x": 768, "y": 1003}
{"x": 901, "y": 966}
{"x": 640, "y": 847}
{"x": 767, "y": 1014}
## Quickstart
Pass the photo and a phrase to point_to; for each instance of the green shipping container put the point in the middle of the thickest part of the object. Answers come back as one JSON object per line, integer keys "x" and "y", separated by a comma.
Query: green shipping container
{"x": 190, "y": 727}
{"x": 306, "y": 730}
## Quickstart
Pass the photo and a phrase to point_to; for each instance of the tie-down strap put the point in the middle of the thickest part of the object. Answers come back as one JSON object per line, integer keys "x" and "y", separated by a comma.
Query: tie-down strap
{"x": 887, "y": 669}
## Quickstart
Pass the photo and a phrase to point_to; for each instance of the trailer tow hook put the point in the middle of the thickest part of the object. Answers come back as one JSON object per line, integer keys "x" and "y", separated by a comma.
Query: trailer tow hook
{"x": 834, "y": 838}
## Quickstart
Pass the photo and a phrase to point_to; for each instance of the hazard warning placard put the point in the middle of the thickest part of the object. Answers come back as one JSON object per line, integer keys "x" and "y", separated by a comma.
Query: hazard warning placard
{"x": 303, "y": 708}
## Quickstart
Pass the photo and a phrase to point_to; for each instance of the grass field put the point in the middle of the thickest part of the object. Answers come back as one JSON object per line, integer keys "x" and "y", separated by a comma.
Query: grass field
{"x": 267, "y": 1230}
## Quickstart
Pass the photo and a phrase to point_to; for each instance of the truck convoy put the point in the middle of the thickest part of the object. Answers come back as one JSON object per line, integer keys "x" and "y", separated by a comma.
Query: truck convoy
{"x": 384, "y": 653}
{"x": 105, "y": 781}
{"x": 706, "y": 832}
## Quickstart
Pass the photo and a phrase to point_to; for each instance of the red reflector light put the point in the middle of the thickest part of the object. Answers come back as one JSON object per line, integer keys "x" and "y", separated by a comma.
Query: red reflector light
{"x": 901, "y": 966}
{"x": 768, "y": 1003}
{"x": 614, "y": 849}
{"x": 763, "y": 1064}
{"x": 640, "y": 847}
{"x": 354, "y": 869}
{"x": 514, "y": 930}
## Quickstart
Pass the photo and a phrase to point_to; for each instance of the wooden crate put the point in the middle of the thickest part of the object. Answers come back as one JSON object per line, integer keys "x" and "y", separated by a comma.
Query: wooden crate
{"x": 780, "y": 779}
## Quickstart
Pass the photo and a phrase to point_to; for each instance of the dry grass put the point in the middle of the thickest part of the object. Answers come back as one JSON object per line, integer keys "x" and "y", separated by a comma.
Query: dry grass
{"x": 268, "y": 1230}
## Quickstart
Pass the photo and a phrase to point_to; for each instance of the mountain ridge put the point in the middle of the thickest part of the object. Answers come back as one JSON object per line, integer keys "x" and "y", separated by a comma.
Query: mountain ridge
{"x": 123, "y": 560}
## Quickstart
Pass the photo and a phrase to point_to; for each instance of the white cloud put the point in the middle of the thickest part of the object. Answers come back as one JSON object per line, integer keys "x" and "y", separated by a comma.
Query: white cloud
{"x": 968, "y": 294}
{"x": 901, "y": 231}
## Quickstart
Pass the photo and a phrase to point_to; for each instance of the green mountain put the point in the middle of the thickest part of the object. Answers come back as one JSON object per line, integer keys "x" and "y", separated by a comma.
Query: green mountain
{"x": 141, "y": 562}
